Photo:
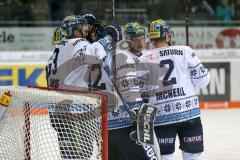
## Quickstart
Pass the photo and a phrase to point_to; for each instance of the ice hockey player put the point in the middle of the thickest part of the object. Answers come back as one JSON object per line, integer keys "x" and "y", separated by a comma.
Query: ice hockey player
{"x": 95, "y": 29}
{"x": 75, "y": 49}
{"x": 173, "y": 74}
{"x": 76, "y": 64}
{"x": 122, "y": 146}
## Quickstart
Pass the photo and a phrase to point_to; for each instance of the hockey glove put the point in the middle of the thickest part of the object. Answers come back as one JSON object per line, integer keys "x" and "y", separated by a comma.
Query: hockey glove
{"x": 96, "y": 32}
{"x": 114, "y": 31}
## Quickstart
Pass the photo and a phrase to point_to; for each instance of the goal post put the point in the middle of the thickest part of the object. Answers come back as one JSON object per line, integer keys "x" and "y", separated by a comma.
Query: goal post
{"x": 40, "y": 124}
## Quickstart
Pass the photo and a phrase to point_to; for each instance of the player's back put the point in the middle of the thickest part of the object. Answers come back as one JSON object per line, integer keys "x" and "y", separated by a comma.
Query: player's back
{"x": 171, "y": 81}
{"x": 70, "y": 63}
{"x": 168, "y": 69}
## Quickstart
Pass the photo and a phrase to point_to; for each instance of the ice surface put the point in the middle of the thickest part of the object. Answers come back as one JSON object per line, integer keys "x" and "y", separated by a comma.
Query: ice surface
{"x": 221, "y": 135}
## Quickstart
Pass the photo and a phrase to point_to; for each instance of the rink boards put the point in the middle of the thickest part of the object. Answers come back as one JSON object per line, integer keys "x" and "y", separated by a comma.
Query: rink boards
{"x": 223, "y": 64}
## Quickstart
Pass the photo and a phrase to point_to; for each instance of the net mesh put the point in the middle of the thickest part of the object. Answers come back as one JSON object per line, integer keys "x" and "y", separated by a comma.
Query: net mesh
{"x": 53, "y": 125}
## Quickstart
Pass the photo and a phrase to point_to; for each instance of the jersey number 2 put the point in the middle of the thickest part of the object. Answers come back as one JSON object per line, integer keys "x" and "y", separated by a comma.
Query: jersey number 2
{"x": 166, "y": 80}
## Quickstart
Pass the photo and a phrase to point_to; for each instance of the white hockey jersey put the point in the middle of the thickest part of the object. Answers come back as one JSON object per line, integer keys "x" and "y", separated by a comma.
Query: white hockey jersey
{"x": 128, "y": 85}
{"x": 127, "y": 78}
{"x": 171, "y": 75}
{"x": 76, "y": 64}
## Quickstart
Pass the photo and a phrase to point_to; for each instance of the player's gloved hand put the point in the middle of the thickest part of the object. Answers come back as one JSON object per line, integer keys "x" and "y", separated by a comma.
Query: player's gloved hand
{"x": 114, "y": 31}
{"x": 96, "y": 31}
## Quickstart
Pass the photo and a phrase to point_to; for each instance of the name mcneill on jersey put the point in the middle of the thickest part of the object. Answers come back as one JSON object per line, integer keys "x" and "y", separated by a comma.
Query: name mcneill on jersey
{"x": 171, "y": 52}
{"x": 175, "y": 92}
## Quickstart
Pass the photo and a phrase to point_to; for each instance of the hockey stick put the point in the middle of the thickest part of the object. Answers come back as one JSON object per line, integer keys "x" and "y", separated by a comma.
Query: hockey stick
{"x": 133, "y": 117}
{"x": 113, "y": 11}
{"x": 114, "y": 46}
{"x": 113, "y": 64}
{"x": 114, "y": 72}
{"x": 187, "y": 21}
{"x": 131, "y": 114}
{"x": 98, "y": 9}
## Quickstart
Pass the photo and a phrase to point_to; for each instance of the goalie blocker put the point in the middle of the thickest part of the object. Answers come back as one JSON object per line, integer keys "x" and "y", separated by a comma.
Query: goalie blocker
{"x": 145, "y": 131}
{"x": 145, "y": 124}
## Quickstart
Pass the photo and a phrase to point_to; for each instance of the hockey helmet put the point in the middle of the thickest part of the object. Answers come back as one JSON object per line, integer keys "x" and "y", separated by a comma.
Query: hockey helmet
{"x": 70, "y": 23}
{"x": 133, "y": 30}
{"x": 89, "y": 16}
{"x": 158, "y": 29}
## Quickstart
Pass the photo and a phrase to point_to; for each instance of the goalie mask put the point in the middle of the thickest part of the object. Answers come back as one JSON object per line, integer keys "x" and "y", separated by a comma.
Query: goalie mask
{"x": 159, "y": 29}
{"x": 74, "y": 22}
{"x": 133, "y": 30}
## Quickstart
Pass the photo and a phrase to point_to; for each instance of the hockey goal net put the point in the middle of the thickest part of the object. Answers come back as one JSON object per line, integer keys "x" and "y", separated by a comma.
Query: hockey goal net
{"x": 41, "y": 124}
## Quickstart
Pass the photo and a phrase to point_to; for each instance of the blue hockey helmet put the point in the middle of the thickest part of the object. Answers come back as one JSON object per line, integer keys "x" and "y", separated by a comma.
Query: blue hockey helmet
{"x": 70, "y": 23}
